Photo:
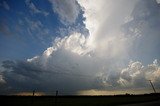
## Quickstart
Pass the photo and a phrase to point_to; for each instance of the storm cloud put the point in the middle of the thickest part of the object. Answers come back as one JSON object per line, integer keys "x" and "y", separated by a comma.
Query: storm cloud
{"x": 119, "y": 31}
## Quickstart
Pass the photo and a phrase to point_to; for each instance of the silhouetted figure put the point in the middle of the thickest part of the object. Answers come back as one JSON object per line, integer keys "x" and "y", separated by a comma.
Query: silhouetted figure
{"x": 56, "y": 93}
{"x": 56, "y": 98}
{"x": 33, "y": 92}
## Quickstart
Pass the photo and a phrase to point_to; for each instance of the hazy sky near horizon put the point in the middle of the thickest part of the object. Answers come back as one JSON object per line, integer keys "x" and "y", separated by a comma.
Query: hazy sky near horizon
{"x": 78, "y": 45}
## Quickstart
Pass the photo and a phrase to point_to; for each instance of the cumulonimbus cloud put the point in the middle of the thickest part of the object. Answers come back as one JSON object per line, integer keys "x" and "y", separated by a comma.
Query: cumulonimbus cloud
{"x": 98, "y": 60}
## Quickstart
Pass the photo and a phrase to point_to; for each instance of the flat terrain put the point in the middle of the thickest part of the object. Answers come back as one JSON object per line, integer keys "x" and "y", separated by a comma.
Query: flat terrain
{"x": 79, "y": 100}
{"x": 152, "y": 103}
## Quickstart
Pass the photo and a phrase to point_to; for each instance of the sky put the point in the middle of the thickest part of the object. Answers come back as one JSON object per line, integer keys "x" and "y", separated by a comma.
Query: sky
{"x": 79, "y": 46}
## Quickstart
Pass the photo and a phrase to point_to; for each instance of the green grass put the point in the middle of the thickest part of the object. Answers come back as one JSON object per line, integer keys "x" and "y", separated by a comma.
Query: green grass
{"x": 75, "y": 100}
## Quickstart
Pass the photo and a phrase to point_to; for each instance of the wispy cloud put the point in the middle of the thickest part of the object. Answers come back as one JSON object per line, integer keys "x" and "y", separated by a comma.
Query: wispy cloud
{"x": 34, "y": 25}
{"x": 36, "y": 30}
{"x": 5, "y": 5}
{"x": 4, "y": 29}
{"x": 34, "y": 9}
{"x": 68, "y": 10}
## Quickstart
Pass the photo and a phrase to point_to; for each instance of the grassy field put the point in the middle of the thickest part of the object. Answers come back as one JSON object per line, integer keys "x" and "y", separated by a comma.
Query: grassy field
{"x": 75, "y": 100}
